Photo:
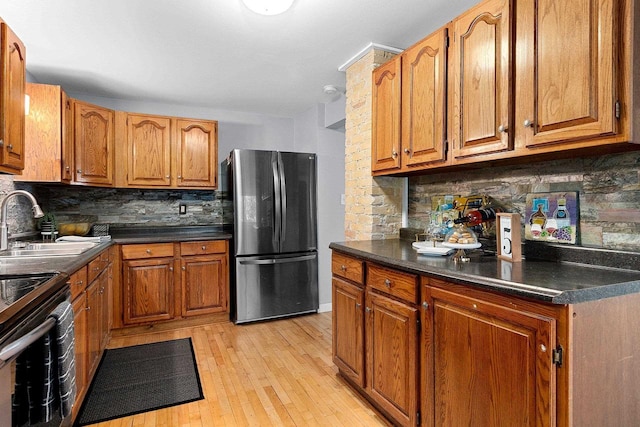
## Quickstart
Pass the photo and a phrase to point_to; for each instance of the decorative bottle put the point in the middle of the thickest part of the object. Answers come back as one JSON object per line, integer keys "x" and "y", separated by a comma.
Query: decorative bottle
{"x": 562, "y": 214}
{"x": 476, "y": 217}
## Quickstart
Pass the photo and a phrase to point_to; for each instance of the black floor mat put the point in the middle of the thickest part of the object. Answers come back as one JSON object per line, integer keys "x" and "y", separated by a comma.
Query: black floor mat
{"x": 142, "y": 378}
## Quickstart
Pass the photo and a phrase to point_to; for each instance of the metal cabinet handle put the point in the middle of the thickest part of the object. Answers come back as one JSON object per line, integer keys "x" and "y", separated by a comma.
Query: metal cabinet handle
{"x": 179, "y": 176}
{"x": 204, "y": 248}
{"x": 502, "y": 129}
{"x": 79, "y": 171}
{"x": 184, "y": 268}
{"x": 425, "y": 305}
{"x": 394, "y": 154}
{"x": 358, "y": 305}
{"x": 10, "y": 147}
{"x": 343, "y": 267}
{"x": 528, "y": 123}
{"x": 407, "y": 151}
{"x": 170, "y": 268}
{"x": 149, "y": 251}
{"x": 168, "y": 176}
{"x": 67, "y": 168}
{"x": 387, "y": 283}
{"x": 367, "y": 309}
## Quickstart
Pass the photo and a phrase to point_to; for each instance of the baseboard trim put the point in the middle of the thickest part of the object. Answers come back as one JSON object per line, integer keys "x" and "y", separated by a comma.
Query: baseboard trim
{"x": 325, "y": 307}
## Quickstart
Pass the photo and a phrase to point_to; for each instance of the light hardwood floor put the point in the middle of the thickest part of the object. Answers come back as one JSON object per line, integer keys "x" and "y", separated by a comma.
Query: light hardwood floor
{"x": 277, "y": 373}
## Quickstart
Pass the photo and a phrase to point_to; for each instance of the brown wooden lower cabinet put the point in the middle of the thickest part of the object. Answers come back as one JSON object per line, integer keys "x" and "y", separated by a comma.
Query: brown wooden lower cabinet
{"x": 484, "y": 360}
{"x": 90, "y": 293}
{"x": 386, "y": 369}
{"x": 348, "y": 330}
{"x": 153, "y": 291}
{"x": 392, "y": 357}
{"x": 481, "y": 357}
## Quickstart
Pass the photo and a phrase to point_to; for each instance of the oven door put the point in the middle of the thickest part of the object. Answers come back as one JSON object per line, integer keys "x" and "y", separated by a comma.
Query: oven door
{"x": 12, "y": 343}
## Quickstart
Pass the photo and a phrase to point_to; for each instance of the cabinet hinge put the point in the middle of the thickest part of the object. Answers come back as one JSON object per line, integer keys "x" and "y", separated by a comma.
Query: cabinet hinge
{"x": 419, "y": 324}
{"x": 418, "y": 421}
{"x": 558, "y": 356}
{"x": 618, "y": 108}
{"x": 446, "y": 42}
{"x": 446, "y": 147}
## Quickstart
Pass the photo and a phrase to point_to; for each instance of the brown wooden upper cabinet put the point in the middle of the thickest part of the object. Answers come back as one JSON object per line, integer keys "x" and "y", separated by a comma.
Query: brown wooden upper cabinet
{"x": 148, "y": 150}
{"x": 386, "y": 132}
{"x": 567, "y": 69}
{"x": 93, "y": 135}
{"x": 197, "y": 153}
{"x": 166, "y": 152}
{"x": 48, "y": 136}
{"x": 542, "y": 80}
{"x": 12, "y": 90}
{"x": 424, "y": 115}
{"x": 481, "y": 75}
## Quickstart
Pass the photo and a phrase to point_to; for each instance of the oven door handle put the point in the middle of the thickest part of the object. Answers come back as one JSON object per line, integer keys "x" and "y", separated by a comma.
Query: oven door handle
{"x": 18, "y": 346}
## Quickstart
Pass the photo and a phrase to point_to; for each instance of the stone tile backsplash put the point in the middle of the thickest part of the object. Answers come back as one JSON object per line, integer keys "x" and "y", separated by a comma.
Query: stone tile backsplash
{"x": 608, "y": 190}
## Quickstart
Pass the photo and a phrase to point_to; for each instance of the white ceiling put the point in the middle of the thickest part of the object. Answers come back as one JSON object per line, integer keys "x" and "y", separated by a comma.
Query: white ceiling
{"x": 212, "y": 53}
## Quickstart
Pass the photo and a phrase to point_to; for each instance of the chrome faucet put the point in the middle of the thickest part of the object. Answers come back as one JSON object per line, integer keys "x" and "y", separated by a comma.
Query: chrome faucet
{"x": 4, "y": 229}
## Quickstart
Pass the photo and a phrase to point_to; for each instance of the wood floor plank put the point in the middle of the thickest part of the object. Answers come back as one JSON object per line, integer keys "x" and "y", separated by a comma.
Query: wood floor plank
{"x": 277, "y": 373}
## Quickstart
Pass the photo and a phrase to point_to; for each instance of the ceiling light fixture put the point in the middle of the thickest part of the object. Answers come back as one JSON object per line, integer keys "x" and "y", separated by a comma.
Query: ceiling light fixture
{"x": 268, "y": 7}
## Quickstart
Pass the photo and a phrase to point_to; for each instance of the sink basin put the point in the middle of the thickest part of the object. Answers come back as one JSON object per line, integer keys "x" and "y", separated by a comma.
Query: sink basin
{"x": 48, "y": 249}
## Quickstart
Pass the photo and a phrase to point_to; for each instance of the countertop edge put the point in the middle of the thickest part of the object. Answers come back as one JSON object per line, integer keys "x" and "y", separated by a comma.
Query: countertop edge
{"x": 502, "y": 286}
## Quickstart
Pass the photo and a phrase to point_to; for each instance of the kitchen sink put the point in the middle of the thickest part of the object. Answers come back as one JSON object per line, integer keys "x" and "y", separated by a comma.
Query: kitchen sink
{"x": 48, "y": 249}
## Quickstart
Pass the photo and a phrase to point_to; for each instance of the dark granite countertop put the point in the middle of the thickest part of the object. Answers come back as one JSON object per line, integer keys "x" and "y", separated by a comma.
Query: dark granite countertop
{"x": 126, "y": 235}
{"x": 543, "y": 280}
{"x": 69, "y": 264}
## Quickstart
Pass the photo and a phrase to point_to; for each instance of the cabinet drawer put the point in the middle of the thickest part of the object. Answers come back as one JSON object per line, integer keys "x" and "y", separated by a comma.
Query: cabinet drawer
{"x": 347, "y": 267}
{"x": 203, "y": 248}
{"x": 393, "y": 282}
{"x": 96, "y": 265}
{"x": 78, "y": 282}
{"x": 151, "y": 250}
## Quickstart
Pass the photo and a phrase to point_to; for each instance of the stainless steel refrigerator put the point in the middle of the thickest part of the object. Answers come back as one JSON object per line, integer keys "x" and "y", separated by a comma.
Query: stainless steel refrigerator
{"x": 274, "y": 233}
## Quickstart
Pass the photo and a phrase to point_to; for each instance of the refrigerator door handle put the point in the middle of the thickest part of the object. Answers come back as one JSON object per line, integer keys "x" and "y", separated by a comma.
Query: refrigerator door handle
{"x": 283, "y": 196}
{"x": 276, "y": 260}
{"x": 277, "y": 219}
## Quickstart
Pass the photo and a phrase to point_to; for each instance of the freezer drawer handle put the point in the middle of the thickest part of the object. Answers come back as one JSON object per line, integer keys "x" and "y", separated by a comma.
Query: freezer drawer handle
{"x": 277, "y": 261}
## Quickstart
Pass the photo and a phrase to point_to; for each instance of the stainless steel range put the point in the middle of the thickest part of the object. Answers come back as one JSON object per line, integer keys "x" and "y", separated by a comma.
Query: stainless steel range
{"x": 26, "y": 301}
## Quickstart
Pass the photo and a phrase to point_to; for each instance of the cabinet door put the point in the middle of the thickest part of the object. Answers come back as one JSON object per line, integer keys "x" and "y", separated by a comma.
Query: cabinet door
{"x": 148, "y": 150}
{"x": 197, "y": 153}
{"x": 94, "y": 321}
{"x": 93, "y": 143}
{"x": 204, "y": 284}
{"x": 392, "y": 357}
{"x": 148, "y": 290}
{"x": 488, "y": 362}
{"x": 386, "y": 131}
{"x": 80, "y": 347}
{"x": 12, "y": 90}
{"x": 105, "y": 312}
{"x": 567, "y": 68}
{"x": 481, "y": 80}
{"x": 424, "y": 68}
{"x": 42, "y": 145}
{"x": 348, "y": 330}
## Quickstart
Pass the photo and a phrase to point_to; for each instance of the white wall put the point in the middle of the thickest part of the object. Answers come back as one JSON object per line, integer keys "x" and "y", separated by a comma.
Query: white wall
{"x": 311, "y": 136}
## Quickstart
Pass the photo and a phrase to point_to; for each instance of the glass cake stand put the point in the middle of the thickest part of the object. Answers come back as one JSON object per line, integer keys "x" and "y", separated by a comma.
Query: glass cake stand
{"x": 461, "y": 255}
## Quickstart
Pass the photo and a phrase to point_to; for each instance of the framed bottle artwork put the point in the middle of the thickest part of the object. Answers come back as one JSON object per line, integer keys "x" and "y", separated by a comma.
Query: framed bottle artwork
{"x": 551, "y": 217}
{"x": 508, "y": 236}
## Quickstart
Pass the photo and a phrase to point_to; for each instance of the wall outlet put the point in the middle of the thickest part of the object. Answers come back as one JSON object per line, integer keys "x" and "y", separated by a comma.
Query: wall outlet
{"x": 183, "y": 209}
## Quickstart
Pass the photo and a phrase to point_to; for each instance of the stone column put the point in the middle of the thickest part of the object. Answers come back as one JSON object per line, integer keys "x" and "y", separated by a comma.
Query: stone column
{"x": 373, "y": 206}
